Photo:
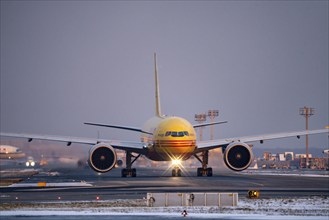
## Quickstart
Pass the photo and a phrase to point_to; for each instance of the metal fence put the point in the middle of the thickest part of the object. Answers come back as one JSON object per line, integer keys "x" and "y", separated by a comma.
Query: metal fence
{"x": 192, "y": 199}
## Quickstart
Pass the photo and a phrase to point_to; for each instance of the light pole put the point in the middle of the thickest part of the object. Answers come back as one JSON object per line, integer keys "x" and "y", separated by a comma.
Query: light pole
{"x": 212, "y": 114}
{"x": 200, "y": 118}
{"x": 306, "y": 112}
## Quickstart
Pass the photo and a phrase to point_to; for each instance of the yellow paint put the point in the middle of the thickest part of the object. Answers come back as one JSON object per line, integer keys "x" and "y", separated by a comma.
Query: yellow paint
{"x": 175, "y": 146}
{"x": 42, "y": 184}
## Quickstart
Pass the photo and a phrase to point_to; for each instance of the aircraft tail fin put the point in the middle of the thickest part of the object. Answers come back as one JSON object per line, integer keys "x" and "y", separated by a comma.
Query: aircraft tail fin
{"x": 157, "y": 92}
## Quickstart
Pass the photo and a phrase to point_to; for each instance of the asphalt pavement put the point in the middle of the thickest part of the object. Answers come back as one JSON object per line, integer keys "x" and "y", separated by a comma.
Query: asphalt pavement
{"x": 85, "y": 185}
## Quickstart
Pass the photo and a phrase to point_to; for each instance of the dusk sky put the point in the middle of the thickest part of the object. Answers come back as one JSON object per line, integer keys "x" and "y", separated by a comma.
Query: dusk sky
{"x": 68, "y": 62}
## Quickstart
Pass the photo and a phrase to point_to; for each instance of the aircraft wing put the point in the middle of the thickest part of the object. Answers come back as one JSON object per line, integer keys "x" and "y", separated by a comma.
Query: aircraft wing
{"x": 208, "y": 145}
{"x": 207, "y": 124}
{"x": 137, "y": 147}
{"x": 119, "y": 127}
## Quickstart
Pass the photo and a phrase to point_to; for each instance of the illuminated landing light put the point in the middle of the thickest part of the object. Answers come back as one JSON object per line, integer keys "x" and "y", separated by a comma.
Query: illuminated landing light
{"x": 253, "y": 194}
{"x": 176, "y": 162}
{"x": 30, "y": 163}
{"x": 59, "y": 198}
{"x": 97, "y": 198}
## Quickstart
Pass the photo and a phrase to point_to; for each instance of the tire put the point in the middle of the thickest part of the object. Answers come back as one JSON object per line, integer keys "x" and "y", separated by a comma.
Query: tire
{"x": 124, "y": 173}
{"x": 179, "y": 173}
{"x": 174, "y": 172}
{"x": 199, "y": 171}
{"x": 209, "y": 171}
{"x": 133, "y": 172}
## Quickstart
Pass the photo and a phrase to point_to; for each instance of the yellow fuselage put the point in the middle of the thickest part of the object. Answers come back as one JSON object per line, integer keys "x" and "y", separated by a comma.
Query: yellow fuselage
{"x": 173, "y": 138}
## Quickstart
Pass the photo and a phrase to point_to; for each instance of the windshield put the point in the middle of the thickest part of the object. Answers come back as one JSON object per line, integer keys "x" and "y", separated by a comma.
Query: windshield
{"x": 177, "y": 133}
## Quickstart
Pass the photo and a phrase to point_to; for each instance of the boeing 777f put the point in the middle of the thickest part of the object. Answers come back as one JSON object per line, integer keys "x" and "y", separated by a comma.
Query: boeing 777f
{"x": 167, "y": 138}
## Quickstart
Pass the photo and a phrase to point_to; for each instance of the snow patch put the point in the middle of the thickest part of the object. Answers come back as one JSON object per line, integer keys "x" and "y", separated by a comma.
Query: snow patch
{"x": 247, "y": 208}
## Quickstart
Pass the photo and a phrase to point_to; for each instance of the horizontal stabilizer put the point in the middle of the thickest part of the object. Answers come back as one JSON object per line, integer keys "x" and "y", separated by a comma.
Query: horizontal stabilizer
{"x": 119, "y": 127}
{"x": 207, "y": 124}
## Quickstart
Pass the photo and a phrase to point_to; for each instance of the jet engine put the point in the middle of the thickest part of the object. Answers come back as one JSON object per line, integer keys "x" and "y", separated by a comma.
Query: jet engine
{"x": 102, "y": 157}
{"x": 238, "y": 156}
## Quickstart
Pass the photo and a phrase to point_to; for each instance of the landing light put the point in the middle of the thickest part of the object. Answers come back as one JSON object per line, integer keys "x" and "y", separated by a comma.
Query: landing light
{"x": 176, "y": 162}
{"x": 253, "y": 194}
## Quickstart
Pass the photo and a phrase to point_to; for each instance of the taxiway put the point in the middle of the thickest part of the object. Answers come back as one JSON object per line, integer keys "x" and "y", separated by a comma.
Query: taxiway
{"x": 85, "y": 185}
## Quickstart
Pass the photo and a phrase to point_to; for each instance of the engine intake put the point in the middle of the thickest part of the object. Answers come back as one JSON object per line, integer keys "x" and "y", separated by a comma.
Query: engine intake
{"x": 238, "y": 156}
{"x": 102, "y": 157}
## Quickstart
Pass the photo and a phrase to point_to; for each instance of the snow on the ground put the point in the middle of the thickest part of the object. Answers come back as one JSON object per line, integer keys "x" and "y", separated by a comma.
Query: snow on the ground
{"x": 66, "y": 184}
{"x": 25, "y": 213}
{"x": 313, "y": 206}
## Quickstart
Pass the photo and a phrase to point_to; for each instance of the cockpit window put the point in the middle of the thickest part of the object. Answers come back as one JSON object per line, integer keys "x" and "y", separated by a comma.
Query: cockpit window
{"x": 177, "y": 133}
{"x": 168, "y": 133}
{"x": 174, "y": 134}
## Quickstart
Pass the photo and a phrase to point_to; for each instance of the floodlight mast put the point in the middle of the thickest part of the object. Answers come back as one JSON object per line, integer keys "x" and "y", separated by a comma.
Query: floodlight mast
{"x": 200, "y": 118}
{"x": 212, "y": 114}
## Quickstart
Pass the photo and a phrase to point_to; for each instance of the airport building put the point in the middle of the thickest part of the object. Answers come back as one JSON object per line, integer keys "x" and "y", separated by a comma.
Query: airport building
{"x": 286, "y": 156}
{"x": 290, "y": 160}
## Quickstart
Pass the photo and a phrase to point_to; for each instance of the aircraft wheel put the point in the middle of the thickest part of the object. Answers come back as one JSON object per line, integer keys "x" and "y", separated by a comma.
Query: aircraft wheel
{"x": 128, "y": 173}
{"x": 124, "y": 173}
{"x": 179, "y": 173}
{"x": 199, "y": 171}
{"x": 133, "y": 172}
{"x": 174, "y": 172}
{"x": 209, "y": 171}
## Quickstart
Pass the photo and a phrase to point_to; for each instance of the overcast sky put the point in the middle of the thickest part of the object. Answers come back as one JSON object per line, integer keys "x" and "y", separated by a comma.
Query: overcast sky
{"x": 257, "y": 62}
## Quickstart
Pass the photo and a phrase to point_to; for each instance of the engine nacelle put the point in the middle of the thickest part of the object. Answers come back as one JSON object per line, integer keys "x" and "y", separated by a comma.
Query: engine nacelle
{"x": 102, "y": 157}
{"x": 238, "y": 156}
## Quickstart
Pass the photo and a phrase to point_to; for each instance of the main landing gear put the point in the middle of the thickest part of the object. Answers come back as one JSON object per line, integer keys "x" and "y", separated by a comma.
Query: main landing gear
{"x": 128, "y": 171}
{"x": 204, "y": 170}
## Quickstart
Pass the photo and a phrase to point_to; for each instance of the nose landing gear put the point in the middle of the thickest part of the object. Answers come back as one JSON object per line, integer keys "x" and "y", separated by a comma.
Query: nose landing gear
{"x": 176, "y": 171}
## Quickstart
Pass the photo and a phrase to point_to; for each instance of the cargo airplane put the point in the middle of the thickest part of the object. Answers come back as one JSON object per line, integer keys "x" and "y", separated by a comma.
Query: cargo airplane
{"x": 166, "y": 138}
{"x": 10, "y": 152}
